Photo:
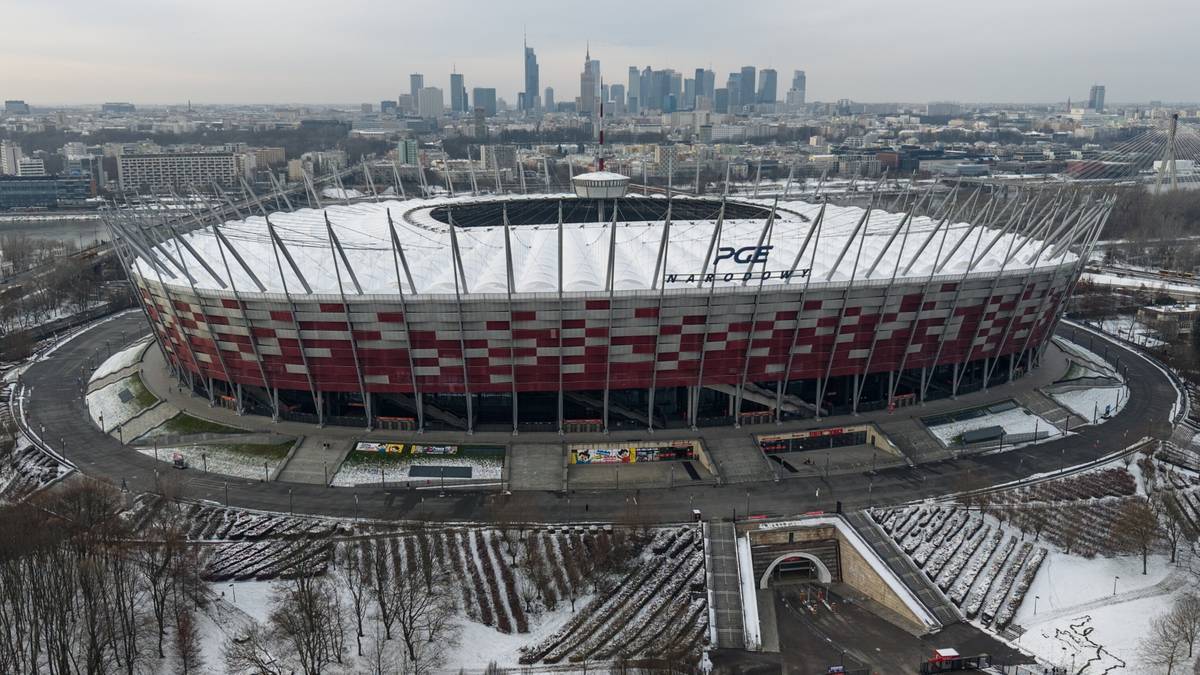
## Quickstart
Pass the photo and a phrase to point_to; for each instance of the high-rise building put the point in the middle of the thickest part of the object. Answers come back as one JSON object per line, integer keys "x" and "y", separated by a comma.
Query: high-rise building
{"x": 31, "y": 166}
{"x": 529, "y": 101}
{"x": 387, "y": 107}
{"x": 646, "y": 99}
{"x": 747, "y": 95}
{"x": 700, "y": 80}
{"x": 548, "y": 99}
{"x": 480, "y": 122}
{"x": 407, "y": 151}
{"x": 675, "y": 87}
{"x": 721, "y": 100}
{"x": 768, "y": 86}
{"x": 635, "y": 88}
{"x": 416, "y": 82}
{"x": 617, "y": 96}
{"x": 689, "y": 93}
{"x": 1096, "y": 98}
{"x": 429, "y": 103}
{"x": 710, "y": 84}
{"x": 484, "y": 97}
{"x": 589, "y": 85}
{"x": 795, "y": 95}
{"x": 458, "y": 93}
{"x": 10, "y": 156}
{"x": 16, "y": 107}
{"x": 734, "y": 85}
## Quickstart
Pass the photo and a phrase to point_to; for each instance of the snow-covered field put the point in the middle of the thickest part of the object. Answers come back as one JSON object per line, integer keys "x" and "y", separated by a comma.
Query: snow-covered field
{"x": 1129, "y": 328}
{"x": 119, "y": 402}
{"x": 245, "y": 461}
{"x": 1092, "y": 404}
{"x": 121, "y": 360}
{"x": 1078, "y": 610}
{"x": 1015, "y": 421}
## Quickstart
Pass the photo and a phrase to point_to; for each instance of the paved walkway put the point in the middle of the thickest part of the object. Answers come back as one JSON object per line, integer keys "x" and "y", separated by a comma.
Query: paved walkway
{"x": 723, "y": 581}
{"x": 314, "y": 463}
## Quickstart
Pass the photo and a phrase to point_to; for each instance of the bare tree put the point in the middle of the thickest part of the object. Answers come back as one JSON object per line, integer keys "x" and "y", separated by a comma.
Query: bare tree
{"x": 187, "y": 644}
{"x": 425, "y": 620}
{"x": 1135, "y": 529}
{"x": 1163, "y": 647}
{"x": 1175, "y": 525}
{"x": 1184, "y": 619}
{"x": 307, "y": 619}
{"x": 383, "y": 592}
{"x": 352, "y": 572}
{"x": 251, "y": 651}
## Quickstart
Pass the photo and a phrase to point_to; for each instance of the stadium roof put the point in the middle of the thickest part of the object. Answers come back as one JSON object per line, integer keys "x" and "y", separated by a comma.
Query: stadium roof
{"x": 362, "y": 231}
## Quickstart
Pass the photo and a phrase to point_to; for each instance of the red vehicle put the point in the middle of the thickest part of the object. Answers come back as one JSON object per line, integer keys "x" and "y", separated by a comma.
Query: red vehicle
{"x": 947, "y": 660}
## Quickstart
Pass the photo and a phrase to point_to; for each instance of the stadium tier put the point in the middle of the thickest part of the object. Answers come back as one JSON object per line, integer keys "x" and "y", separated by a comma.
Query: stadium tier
{"x": 554, "y": 311}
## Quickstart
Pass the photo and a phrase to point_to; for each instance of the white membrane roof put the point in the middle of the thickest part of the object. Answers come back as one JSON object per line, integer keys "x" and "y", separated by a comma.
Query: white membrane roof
{"x": 362, "y": 230}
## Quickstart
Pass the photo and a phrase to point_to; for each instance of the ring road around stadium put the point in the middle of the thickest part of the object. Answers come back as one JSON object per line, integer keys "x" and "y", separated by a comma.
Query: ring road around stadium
{"x": 601, "y": 310}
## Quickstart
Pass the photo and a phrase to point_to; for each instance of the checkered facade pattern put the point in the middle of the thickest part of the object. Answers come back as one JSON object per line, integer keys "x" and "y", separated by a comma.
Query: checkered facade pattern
{"x": 680, "y": 337}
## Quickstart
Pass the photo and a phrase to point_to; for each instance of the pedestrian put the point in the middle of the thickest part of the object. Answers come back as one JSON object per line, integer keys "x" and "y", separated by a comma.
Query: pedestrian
{"x": 585, "y": 506}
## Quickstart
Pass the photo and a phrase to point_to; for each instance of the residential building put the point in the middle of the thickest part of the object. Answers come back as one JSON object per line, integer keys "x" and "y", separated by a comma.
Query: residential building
{"x": 407, "y": 151}
{"x": 182, "y": 169}
{"x": 31, "y": 166}
{"x": 10, "y": 155}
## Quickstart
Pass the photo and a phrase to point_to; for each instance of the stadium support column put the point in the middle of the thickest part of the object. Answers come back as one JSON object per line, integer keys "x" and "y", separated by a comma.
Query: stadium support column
{"x": 697, "y": 193}
{"x": 713, "y": 245}
{"x": 790, "y": 352}
{"x": 610, "y": 284}
{"x": 905, "y": 223}
{"x": 1042, "y": 217}
{"x": 280, "y": 193}
{"x": 399, "y": 182}
{"x": 861, "y": 232}
{"x": 474, "y": 183}
{"x": 398, "y": 259}
{"x": 763, "y": 237}
{"x": 460, "y": 288}
{"x": 987, "y": 302}
{"x": 157, "y": 329}
{"x": 508, "y": 287}
{"x": 546, "y": 173}
{"x": 1089, "y": 244}
{"x": 153, "y": 261}
{"x": 660, "y": 265}
{"x": 277, "y": 246}
{"x": 335, "y": 248}
{"x": 916, "y": 322}
{"x": 560, "y": 317}
{"x": 962, "y": 281}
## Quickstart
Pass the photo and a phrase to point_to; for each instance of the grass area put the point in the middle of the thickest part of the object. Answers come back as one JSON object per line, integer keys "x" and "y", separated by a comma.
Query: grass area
{"x": 375, "y": 459}
{"x": 262, "y": 451}
{"x": 140, "y": 393}
{"x": 184, "y": 424}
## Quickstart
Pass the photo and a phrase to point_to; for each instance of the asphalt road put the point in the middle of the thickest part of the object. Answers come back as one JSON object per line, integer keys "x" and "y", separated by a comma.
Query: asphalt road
{"x": 56, "y": 403}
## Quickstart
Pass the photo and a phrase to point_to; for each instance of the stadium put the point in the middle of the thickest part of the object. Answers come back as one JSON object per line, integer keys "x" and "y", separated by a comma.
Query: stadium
{"x": 598, "y": 309}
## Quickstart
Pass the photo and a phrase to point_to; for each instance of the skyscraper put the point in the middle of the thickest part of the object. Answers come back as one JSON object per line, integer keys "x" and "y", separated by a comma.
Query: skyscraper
{"x": 416, "y": 82}
{"x": 734, "y": 85}
{"x": 617, "y": 96}
{"x": 646, "y": 90}
{"x": 1096, "y": 98}
{"x": 795, "y": 95}
{"x": 700, "y": 80}
{"x": 484, "y": 97}
{"x": 548, "y": 99}
{"x": 747, "y": 96}
{"x": 458, "y": 93}
{"x": 710, "y": 84}
{"x": 529, "y": 102}
{"x": 635, "y": 88}
{"x": 589, "y": 85}
{"x": 767, "y": 86}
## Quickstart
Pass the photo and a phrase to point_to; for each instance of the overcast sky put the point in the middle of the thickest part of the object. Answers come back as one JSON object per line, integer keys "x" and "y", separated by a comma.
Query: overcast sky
{"x": 349, "y": 51}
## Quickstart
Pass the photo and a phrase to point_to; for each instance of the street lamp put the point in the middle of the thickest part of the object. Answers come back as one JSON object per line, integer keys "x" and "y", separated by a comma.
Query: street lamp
{"x": 1035, "y": 602}
{"x": 1115, "y": 585}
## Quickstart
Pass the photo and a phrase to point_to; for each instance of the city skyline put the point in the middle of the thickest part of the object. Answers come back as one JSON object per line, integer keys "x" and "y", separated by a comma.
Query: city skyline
{"x": 100, "y": 54}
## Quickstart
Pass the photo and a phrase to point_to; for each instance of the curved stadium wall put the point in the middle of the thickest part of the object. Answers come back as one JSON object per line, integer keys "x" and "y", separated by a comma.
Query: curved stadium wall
{"x": 460, "y": 344}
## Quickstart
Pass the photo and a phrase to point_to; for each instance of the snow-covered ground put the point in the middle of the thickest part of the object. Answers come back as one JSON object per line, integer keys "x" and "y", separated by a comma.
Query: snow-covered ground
{"x": 1015, "y": 421}
{"x": 362, "y": 469}
{"x": 122, "y": 359}
{"x": 1076, "y": 609}
{"x": 119, "y": 402}
{"x": 1091, "y": 404}
{"x": 1129, "y": 328}
{"x": 222, "y": 459}
{"x": 1088, "y": 359}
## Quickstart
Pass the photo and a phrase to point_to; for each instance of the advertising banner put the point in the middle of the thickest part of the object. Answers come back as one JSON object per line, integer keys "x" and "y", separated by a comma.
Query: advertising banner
{"x": 435, "y": 449}
{"x": 638, "y": 452}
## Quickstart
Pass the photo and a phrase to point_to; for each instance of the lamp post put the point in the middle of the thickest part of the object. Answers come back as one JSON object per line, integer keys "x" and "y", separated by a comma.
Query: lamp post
{"x": 1115, "y": 585}
{"x": 1035, "y": 602}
